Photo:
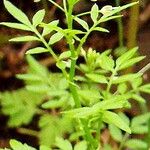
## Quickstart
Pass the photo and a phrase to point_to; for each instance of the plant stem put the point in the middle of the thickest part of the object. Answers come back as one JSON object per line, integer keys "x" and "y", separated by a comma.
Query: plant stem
{"x": 145, "y": 68}
{"x": 57, "y": 5}
{"x": 120, "y": 26}
{"x": 46, "y": 44}
{"x": 133, "y": 26}
{"x": 89, "y": 138}
{"x": 28, "y": 132}
{"x": 123, "y": 141}
{"x": 88, "y": 135}
{"x": 111, "y": 79}
{"x": 45, "y": 5}
{"x": 73, "y": 58}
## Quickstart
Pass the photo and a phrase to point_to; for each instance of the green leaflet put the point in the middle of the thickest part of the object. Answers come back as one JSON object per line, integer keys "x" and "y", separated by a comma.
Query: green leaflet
{"x": 113, "y": 118}
{"x": 115, "y": 133}
{"x": 15, "y": 145}
{"x": 125, "y": 78}
{"x": 16, "y": 26}
{"x": 136, "y": 144}
{"x": 47, "y": 30}
{"x": 126, "y": 56}
{"x": 131, "y": 62}
{"x": 65, "y": 55}
{"x": 38, "y": 17}
{"x": 94, "y": 13}
{"x": 37, "y": 50}
{"x": 101, "y": 29}
{"x": 55, "y": 38}
{"x": 141, "y": 119}
{"x": 107, "y": 63}
{"x": 24, "y": 39}
{"x": 115, "y": 11}
{"x": 63, "y": 144}
{"x": 81, "y": 146}
{"x": 16, "y": 13}
{"x": 82, "y": 23}
{"x": 97, "y": 78}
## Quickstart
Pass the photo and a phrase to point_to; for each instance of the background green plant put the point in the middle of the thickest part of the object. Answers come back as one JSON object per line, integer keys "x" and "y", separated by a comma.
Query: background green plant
{"x": 78, "y": 104}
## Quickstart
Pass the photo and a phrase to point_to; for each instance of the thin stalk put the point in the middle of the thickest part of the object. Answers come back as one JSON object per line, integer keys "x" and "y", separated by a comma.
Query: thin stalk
{"x": 120, "y": 26}
{"x": 73, "y": 57}
{"x": 28, "y": 132}
{"x": 88, "y": 136}
{"x": 84, "y": 38}
{"x": 65, "y": 6}
{"x": 46, "y": 44}
{"x": 73, "y": 89}
{"x": 145, "y": 68}
{"x": 133, "y": 26}
{"x": 123, "y": 141}
{"x": 57, "y": 5}
{"x": 111, "y": 80}
{"x": 45, "y": 5}
{"x": 99, "y": 129}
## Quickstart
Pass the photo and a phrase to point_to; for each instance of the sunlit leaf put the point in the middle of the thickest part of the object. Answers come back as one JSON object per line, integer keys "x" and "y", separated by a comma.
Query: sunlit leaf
{"x": 24, "y": 39}
{"x": 38, "y": 17}
{"x": 16, "y": 13}
{"x": 82, "y": 23}
{"x": 37, "y": 50}
{"x": 16, "y": 26}
{"x": 111, "y": 117}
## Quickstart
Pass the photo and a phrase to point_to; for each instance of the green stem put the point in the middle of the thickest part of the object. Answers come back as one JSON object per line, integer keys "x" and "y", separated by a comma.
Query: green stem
{"x": 57, "y": 5}
{"x": 120, "y": 26}
{"x": 145, "y": 68}
{"x": 89, "y": 138}
{"x": 98, "y": 134}
{"x": 46, "y": 44}
{"x": 28, "y": 132}
{"x": 123, "y": 141}
{"x": 111, "y": 80}
{"x": 133, "y": 26}
{"x": 88, "y": 135}
{"x": 73, "y": 58}
{"x": 84, "y": 38}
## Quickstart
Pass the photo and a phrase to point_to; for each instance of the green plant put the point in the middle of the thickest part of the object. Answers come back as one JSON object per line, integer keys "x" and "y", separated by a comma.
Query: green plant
{"x": 80, "y": 104}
